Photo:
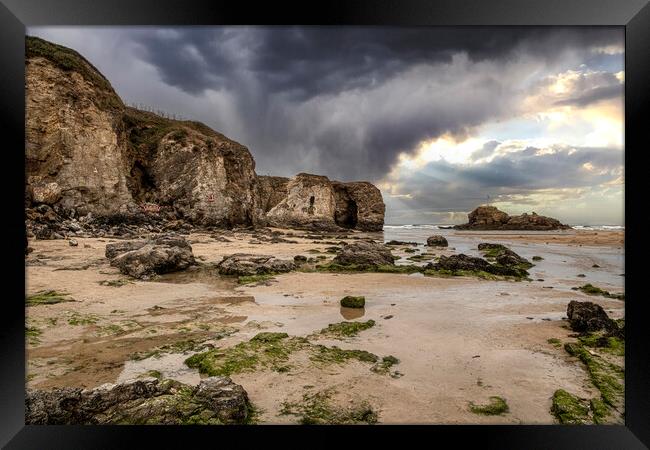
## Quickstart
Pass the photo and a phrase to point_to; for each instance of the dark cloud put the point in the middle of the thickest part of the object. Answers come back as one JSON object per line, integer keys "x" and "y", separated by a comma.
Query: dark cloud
{"x": 309, "y": 61}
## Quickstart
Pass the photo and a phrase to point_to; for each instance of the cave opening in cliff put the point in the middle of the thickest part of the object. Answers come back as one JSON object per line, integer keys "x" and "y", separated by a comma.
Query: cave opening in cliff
{"x": 141, "y": 183}
{"x": 349, "y": 218}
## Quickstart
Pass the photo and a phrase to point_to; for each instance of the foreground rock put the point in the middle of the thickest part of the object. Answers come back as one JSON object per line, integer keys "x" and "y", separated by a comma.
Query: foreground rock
{"x": 148, "y": 401}
{"x": 462, "y": 262}
{"x": 243, "y": 264}
{"x": 364, "y": 253}
{"x": 491, "y": 218}
{"x": 437, "y": 240}
{"x": 144, "y": 259}
{"x": 88, "y": 153}
{"x": 589, "y": 317}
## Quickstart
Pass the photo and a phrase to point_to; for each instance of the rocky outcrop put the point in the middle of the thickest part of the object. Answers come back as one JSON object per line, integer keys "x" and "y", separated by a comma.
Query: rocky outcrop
{"x": 245, "y": 265}
{"x": 364, "y": 253}
{"x": 309, "y": 203}
{"x": 147, "y": 401}
{"x": 588, "y": 317}
{"x": 313, "y": 201}
{"x": 144, "y": 259}
{"x": 491, "y": 218}
{"x": 86, "y": 152}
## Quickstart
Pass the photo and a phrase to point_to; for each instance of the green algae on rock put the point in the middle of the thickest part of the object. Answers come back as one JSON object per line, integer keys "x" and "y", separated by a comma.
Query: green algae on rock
{"x": 49, "y": 297}
{"x": 569, "y": 409}
{"x": 346, "y": 329}
{"x": 497, "y": 406}
{"x": 350, "y": 301}
{"x": 319, "y": 409}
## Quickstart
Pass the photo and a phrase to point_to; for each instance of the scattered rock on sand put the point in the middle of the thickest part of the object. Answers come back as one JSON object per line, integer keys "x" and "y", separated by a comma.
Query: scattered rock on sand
{"x": 245, "y": 264}
{"x": 216, "y": 400}
{"x": 588, "y": 316}
{"x": 73, "y": 243}
{"x": 300, "y": 258}
{"x": 365, "y": 253}
{"x": 437, "y": 240}
{"x": 161, "y": 255}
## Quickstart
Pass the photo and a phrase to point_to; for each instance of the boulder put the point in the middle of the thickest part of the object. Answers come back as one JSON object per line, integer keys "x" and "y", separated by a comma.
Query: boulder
{"x": 157, "y": 256}
{"x": 588, "y": 316}
{"x": 364, "y": 253}
{"x": 245, "y": 265}
{"x": 146, "y": 401}
{"x": 491, "y": 218}
{"x": 437, "y": 241}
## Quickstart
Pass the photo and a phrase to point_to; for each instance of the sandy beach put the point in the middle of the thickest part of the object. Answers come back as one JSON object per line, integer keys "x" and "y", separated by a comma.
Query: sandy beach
{"x": 459, "y": 340}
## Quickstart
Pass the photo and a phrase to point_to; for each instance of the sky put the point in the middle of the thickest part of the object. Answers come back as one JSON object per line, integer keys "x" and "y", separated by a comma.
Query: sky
{"x": 441, "y": 119}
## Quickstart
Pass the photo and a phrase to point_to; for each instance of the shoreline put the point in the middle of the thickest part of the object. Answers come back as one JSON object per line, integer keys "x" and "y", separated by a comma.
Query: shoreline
{"x": 434, "y": 326}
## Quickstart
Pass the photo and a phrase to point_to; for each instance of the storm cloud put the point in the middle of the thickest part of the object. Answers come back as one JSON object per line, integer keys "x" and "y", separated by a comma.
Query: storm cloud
{"x": 347, "y": 102}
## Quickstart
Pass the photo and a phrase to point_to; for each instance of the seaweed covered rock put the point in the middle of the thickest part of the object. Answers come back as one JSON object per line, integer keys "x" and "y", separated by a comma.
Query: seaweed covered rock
{"x": 503, "y": 255}
{"x": 364, "y": 253}
{"x": 147, "y": 401}
{"x": 157, "y": 256}
{"x": 588, "y": 316}
{"x": 244, "y": 264}
{"x": 437, "y": 240}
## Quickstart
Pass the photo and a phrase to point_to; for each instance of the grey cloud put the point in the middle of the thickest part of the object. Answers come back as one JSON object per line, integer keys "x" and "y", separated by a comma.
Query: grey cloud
{"x": 444, "y": 186}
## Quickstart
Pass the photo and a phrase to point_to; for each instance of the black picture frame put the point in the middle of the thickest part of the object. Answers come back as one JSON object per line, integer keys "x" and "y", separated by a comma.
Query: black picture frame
{"x": 634, "y": 15}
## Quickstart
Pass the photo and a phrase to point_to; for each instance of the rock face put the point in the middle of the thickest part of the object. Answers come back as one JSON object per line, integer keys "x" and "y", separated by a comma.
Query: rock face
{"x": 86, "y": 152}
{"x": 588, "y": 316}
{"x": 143, "y": 259}
{"x": 309, "y": 202}
{"x": 74, "y": 137}
{"x": 313, "y": 201}
{"x": 364, "y": 253}
{"x": 246, "y": 265}
{"x": 437, "y": 241}
{"x": 490, "y": 218}
{"x": 147, "y": 401}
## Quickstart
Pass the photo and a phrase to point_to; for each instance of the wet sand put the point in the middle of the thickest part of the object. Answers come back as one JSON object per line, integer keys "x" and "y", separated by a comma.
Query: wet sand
{"x": 459, "y": 339}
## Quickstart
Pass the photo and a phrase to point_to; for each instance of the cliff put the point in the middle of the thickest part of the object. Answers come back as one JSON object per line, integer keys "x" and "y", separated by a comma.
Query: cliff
{"x": 491, "y": 218}
{"x": 86, "y": 152}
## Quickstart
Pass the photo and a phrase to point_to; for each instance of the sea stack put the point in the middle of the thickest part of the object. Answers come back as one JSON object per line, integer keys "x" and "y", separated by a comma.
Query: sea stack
{"x": 491, "y": 218}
